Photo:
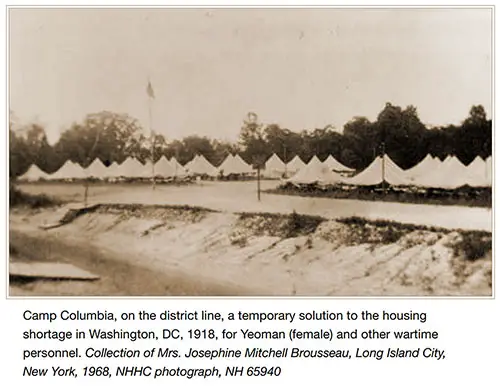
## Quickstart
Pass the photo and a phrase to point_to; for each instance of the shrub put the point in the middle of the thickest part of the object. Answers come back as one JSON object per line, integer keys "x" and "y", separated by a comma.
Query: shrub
{"x": 391, "y": 235}
{"x": 301, "y": 225}
{"x": 279, "y": 225}
{"x": 472, "y": 246}
{"x": 19, "y": 198}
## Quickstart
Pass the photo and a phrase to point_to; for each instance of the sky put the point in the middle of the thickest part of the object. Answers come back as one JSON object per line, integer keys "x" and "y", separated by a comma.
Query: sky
{"x": 300, "y": 68}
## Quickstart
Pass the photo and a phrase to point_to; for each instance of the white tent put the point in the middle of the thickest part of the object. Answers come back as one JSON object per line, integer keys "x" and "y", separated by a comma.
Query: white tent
{"x": 188, "y": 165}
{"x": 428, "y": 165}
{"x": 69, "y": 171}
{"x": 180, "y": 171}
{"x": 96, "y": 169}
{"x": 147, "y": 170}
{"x": 275, "y": 167}
{"x": 34, "y": 173}
{"x": 477, "y": 173}
{"x": 131, "y": 168}
{"x": 112, "y": 171}
{"x": 242, "y": 166}
{"x": 315, "y": 172}
{"x": 295, "y": 165}
{"x": 448, "y": 158}
{"x": 335, "y": 165}
{"x": 452, "y": 174}
{"x": 471, "y": 177}
{"x": 234, "y": 165}
{"x": 200, "y": 166}
{"x": 382, "y": 168}
{"x": 163, "y": 168}
{"x": 489, "y": 171}
{"x": 177, "y": 167}
{"x": 314, "y": 161}
{"x": 478, "y": 166}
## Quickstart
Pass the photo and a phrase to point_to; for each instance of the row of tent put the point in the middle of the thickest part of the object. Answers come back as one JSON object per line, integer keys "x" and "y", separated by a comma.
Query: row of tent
{"x": 130, "y": 168}
{"x": 164, "y": 168}
{"x": 276, "y": 168}
{"x": 429, "y": 173}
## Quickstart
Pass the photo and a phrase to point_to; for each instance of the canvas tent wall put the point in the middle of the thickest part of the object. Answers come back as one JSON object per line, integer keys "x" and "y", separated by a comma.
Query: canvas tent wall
{"x": 96, "y": 169}
{"x": 380, "y": 170}
{"x": 112, "y": 171}
{"x": 428, "y": 165}
{"x": 169, "y": 169}
{"x": 336, "y": 166}
{"x": 476, "y": 173}
{"x": 69, "y": 171}
{"x": 468, "y": 176}
{"x": 478, "y": 166}
{"x": 34, "y": 173}
{"x": 179, "y": 170}
{"x": 147, "y": 170}
{"x": 295, "y": 165}
{"x": 199, "y": 165}
{"x": 452, "y": 174}
{"x": 489, "y": 171}
{"x": 130, "y": 168}
{"x": 448, "y": 158}
{"x": 315, "y": 173}
{"x": 233, "y": 164}
{"x": 274, "y": 167}
{"x": 241, "y": 166}
{"x": 163, "y": 168}
{"x": 314, "y": 161}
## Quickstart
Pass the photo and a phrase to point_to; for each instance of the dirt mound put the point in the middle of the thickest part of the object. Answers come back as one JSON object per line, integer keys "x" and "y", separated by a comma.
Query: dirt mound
{"x": 291, "y": 254}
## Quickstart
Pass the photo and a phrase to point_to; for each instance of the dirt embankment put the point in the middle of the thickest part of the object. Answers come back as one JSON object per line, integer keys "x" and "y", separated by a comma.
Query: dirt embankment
{"x": 153, "y": 250}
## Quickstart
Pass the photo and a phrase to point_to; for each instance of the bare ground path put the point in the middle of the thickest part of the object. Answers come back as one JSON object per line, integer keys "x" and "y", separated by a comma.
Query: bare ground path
{"x": 242, "y": 197}
{"x": 120, "y": 274}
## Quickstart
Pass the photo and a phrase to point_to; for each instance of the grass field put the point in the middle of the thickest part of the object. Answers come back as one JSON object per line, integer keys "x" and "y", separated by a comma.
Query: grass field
{"x": 459, "y": 197}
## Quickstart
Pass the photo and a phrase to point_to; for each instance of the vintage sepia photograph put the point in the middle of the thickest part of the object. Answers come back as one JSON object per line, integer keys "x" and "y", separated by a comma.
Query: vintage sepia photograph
{"x": 250, "y": 152}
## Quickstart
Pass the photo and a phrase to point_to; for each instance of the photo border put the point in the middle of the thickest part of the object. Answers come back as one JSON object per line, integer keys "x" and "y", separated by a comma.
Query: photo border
{"x": 267, "y": 297}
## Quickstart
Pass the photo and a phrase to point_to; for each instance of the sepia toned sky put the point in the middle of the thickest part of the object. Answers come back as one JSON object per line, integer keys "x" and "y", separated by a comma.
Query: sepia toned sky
{"x": 301, "y": 68}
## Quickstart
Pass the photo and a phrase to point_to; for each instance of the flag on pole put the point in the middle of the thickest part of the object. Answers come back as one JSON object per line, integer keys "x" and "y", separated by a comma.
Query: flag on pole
{"x": 150, "y": 91}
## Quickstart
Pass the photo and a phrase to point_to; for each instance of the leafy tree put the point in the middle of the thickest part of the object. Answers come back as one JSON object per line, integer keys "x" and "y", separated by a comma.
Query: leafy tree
{"x": 120, "y": 136}
{"x": 475, "y": 138}
{"x": 174, "y": 149}
{"x": 113, "y": 137}
{"x": 252, "y": 140}
{"x": 361, "y": 137}
{"x": 196, "y": 145}
{"x": 221, "y": 149}
{"x": 18, "y": 155}
{"x": 28, "y": 145}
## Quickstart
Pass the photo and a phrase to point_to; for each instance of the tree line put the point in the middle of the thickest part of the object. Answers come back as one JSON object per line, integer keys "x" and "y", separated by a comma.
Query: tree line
{"x": 113, "y": 137}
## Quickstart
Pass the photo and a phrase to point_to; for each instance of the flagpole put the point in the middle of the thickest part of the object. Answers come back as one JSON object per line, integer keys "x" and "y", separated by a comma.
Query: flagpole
{"x": 383, "y": 168}
{"x": 150, "y": 102}
{"x": 284, "y": 156}
{"x": 176, "y": 161}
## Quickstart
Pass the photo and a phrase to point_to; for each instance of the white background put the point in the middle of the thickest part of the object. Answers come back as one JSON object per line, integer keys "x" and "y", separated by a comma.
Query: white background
{"x": 468, "y": 330}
